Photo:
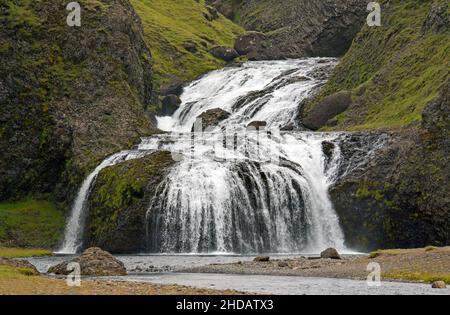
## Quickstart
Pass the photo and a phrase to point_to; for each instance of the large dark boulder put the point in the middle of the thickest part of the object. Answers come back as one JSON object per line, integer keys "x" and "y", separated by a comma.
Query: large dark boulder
{"x": 211, "y": 118}
{"x": 224, "y": 53}
{"x": 174, "y": 87}
{"x": 119, "y": 202}
{"x": 93, "y": 262}
{"x": 328, "y": 108}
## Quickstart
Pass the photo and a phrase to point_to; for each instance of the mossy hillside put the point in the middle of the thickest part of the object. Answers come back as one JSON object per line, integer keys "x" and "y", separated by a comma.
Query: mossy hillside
{"x": 168, "y": 25}
{"x": 393, "y": 70}
{"x": 29, "y": 224}
{"x": 70, "y": 96}
{"x": 119, "y": 202}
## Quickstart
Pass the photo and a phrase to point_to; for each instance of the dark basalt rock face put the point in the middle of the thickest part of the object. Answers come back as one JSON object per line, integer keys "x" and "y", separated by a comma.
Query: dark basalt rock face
{"x": 400, "y": 199}
{"x": 295, "y": 28}
{"x": 66, "y": 101}
{"x": 119, "y": 202}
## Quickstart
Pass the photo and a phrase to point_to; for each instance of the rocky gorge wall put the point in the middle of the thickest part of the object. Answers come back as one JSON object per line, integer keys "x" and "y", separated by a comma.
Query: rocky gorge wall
{"x": 295, "y": 28}
{"x": 69, "y": 96}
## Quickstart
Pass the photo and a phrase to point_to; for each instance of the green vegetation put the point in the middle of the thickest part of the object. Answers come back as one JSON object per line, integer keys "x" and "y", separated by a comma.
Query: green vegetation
{"x": 393, "y": 70}
{"x": 8, "y": 272}
{"x": 29, "y": 223}
{"x": 417, "y": 276}
{"x": 23, "y": 252}
{"x": 168, "y": 25}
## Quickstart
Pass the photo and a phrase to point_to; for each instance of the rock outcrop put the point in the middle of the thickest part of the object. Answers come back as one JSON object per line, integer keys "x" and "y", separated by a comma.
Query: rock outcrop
{"x": 295, "y": 28}
{"x": 211, "y": 118}
{"x": 119, "y": 202}
{"x": 330, "y": 253}
{"x": 70, "y": 96}
{"x": 93, "y": 262}
{"x": 224, "y": 53}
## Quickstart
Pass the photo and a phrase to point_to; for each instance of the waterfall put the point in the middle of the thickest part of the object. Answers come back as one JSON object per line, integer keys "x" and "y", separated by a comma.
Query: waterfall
{"x": 267, "y": 193}
{"x": 73, "y": 236}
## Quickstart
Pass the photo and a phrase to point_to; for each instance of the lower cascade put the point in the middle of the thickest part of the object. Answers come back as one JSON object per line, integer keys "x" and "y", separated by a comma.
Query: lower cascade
{"x": 267, "y": 195}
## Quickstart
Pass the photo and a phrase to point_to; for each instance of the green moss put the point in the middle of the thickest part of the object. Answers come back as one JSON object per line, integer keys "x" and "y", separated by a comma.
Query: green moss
{"x": 23, "y": 252}
{"x": 30, "y": 223}
{"x": 394, "y": 70}
{"x": 169, "y": 24}
{"x": 417, "y": 276}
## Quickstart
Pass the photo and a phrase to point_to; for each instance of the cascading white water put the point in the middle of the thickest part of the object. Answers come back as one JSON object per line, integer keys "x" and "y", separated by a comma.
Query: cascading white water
{"x": 269, "y": 91}
{"x": 73, "y": 236}
{"x": 269, "y": 196}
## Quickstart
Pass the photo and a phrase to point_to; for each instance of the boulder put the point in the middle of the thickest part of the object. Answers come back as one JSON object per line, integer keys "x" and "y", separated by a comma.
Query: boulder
{"x": 190, "y": 46}
{"x": 439, "y": 285}
{"x": 330, "y": 253}
{"x": 251, "y": 45}
{"x": 262, "y": 259}
{"x": 174, "y": 87}
{"x": 224, "y": 53}
{"x": 93, "y": 262}
{"x": 20, "y": 264}
{"x": 327, "y": 109}
{"x": 257, "y": 125}
{"x": 211, "y": 118}
{"x": 170, "y": 105}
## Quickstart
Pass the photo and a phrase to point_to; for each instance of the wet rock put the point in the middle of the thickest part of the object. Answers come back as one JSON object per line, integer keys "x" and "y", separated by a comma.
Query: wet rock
{"x": 262, "y": 259}
{"x": 258, "y": 125}
{"x": 20, "y": 264}
{"x": 439, "y": 285}
{"x": 328, "y": 149}
{"x": 330, "y": 253}
{"x": 170, "y": 105}
{"x": 93, "y": 262}
{"x": 327, "y": 109}
{"x": 224, "y": 53}
{"x": 211, "y": 118}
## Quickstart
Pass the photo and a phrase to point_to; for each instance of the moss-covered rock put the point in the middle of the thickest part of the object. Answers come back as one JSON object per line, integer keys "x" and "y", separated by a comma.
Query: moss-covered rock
{"x": 119, "y": 202}
{"x": 401, "y": 198}
{"x": 70, "y": 96}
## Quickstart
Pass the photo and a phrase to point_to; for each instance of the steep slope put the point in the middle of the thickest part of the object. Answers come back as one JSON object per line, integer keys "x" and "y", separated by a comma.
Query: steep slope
{"x": 395, "y": 78}
{"x": 181, "y": 33}
{"x": 296, "y": 28}
{"x": 391, "y": 71}
{"x": 69, "y": 96}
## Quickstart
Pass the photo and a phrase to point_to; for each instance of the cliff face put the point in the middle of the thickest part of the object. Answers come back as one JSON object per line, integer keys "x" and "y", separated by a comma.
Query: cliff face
{"x": 397, "y": 79}
{"x": 391, "y": 72}
{"x": 296, "y": 28}
{"x": 69, "y": 96}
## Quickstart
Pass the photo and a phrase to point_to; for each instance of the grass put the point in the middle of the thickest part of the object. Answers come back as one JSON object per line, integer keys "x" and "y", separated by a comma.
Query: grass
{"x": 169, "y": 24}
{"x": 31, "y": 224}
{"x": 417, "y": 276}
{"x": 23, "y": 252}
{"x": 393, "y": 71}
